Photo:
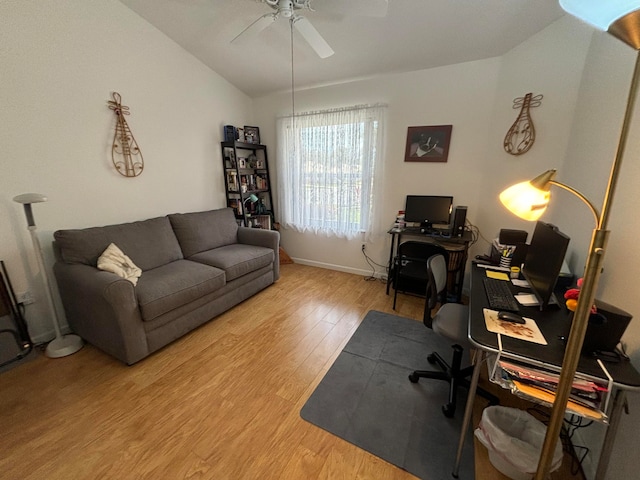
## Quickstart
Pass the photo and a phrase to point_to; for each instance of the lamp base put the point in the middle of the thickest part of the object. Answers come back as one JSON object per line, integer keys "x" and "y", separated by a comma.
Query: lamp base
{"x": 63, "y": 346}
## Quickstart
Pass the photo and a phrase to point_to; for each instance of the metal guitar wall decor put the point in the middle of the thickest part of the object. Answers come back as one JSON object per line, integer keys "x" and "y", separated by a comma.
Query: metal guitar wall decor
{"x": 522, "y": 133}
{"x": 125, "y": 153}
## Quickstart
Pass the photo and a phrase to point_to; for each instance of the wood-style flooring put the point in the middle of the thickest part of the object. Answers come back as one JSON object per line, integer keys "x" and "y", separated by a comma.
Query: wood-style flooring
{"x": 220, "y": 403}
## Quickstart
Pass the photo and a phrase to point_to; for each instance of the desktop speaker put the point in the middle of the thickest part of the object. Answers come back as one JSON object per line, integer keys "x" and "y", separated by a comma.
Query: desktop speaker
{"x": 459, "y": 219}
{"x": 512, "y": 237}
{"x": 605, "y": 329}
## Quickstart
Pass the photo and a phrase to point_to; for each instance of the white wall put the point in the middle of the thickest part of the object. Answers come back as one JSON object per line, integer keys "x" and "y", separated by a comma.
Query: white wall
{"x": 476, "y": 98}
{"x": 596, "y": 130}
{"x": 461, "y": 95}
{"x": 60, "y": 63}
{"x": 538, "y": 66}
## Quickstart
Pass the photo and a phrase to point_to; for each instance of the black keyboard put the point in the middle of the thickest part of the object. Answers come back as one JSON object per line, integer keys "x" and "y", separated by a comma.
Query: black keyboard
{"x": 499, "y": 295}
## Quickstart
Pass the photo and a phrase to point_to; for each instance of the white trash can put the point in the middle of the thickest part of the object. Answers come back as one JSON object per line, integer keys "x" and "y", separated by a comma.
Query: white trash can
{"x": 514, "y": 440}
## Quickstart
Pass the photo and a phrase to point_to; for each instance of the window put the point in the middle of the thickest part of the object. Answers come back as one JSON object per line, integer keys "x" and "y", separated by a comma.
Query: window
{"x": 329, "y": 169}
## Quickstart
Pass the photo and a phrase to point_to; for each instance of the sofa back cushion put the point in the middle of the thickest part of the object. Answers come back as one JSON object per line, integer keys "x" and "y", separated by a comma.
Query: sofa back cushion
{"x": 201, "y": 231}
{"x": 149, "y": 243}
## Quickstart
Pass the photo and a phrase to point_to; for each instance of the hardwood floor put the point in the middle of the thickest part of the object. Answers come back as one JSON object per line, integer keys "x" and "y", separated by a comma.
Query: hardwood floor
{"x": 222, "y": 402}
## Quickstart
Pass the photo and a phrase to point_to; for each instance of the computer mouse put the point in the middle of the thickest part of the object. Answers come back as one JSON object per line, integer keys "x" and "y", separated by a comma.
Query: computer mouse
{"x": 511, "y": 317}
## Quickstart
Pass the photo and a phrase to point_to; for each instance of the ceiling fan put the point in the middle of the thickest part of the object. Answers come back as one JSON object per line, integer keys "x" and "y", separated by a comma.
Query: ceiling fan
{"x": 289, "y": 9}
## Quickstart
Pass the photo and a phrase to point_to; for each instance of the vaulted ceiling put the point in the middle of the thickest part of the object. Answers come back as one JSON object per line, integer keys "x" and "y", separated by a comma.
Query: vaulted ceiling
{"x": 412, "y": 35}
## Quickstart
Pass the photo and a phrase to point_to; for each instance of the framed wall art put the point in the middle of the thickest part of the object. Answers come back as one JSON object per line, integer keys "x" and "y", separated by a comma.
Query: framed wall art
{"x": 428, "y": 144}
{"x": 252, "y": 134}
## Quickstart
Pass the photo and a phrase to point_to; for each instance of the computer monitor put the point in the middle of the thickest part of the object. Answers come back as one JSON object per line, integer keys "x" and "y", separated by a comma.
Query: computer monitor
{"x": 428, "y": 210}
{"x": 544, "y": 259}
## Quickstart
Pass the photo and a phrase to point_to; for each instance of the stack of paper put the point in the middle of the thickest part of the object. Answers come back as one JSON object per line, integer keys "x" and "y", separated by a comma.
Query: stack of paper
{"x": 585, "y": 399}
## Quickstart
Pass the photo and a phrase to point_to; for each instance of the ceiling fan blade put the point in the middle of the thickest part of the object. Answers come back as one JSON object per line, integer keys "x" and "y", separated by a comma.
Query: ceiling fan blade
{"x": 256, "y": 27}
{"x": 313, "y": 38}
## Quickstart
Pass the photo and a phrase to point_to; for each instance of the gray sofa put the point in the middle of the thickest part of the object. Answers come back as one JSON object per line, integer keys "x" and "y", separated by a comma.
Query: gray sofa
{"x": 194, "y": 267}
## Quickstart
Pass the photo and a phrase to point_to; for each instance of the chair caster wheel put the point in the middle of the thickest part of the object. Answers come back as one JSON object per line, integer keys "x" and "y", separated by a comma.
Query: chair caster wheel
{"x": 449, "y": 410}
{"x": 413, "y": 378}
{"x": 431, "y": 358}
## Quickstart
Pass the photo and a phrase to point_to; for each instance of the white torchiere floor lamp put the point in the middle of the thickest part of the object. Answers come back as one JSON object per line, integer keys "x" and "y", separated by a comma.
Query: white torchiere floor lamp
{"x": 62, "y": 345}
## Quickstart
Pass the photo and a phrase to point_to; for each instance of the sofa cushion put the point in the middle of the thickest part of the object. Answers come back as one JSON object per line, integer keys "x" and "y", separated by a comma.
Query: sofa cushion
{"x": 236, "y": 260}
{"x": 200, "y": 231}
{"x": 170, "y": 286}
{"x": 149, "y": 243}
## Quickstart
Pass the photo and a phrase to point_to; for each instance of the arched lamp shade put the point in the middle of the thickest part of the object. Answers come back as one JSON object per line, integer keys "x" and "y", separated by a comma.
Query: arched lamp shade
{"x": 528, "y": 200}
{"x": 621, "y": 18}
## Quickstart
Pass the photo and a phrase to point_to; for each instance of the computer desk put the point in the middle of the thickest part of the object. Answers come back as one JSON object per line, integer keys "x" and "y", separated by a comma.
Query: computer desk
{"x": 554, "y": 323}
{"x": 457, "y": 247}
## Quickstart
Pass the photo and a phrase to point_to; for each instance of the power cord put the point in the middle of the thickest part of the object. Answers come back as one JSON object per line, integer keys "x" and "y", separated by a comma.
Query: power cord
{"x": 569, "y": 427}
{"x": 373, "y": 266}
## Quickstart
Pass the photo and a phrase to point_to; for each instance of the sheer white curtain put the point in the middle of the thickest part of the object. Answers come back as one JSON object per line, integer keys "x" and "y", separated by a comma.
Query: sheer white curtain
{"x": 330, "y": 171}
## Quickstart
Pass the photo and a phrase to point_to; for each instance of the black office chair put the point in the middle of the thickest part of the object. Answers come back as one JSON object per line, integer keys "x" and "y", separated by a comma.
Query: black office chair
{"x": 451, "y": 321}
{"x": 410, "y": 267}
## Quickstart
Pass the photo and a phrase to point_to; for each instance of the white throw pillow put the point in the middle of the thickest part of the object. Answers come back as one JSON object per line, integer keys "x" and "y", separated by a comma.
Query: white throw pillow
{"x": 115, "y": 261}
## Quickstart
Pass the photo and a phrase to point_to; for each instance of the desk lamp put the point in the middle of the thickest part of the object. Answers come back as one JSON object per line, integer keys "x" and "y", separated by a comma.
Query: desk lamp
{"x": 252, "y": 199}
{"x": 62, "y": 345}
{"x": 620, "y": 18}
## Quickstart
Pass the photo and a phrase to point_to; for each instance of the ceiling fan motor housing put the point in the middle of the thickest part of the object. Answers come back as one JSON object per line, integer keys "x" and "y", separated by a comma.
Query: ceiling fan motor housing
{"x": 286, "y": 7}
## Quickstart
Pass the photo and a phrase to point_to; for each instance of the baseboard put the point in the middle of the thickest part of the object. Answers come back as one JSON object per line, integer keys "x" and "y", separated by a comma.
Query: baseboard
{"x": 340, "y": 268}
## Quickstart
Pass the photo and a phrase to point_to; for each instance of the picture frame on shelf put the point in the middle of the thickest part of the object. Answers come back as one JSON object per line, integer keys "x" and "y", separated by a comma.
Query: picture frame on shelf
{"x": 252, "y": 134}
{"x": 428, "y": 144}
{"x": 229, "y": 158}
{"x": 242, "y": 162}
{"x": 260, "y": 163}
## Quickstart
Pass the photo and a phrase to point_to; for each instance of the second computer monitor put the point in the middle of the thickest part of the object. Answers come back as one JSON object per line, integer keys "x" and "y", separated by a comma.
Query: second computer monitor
{"x": 543, "y": 262}
{"x": 428, "y": 210}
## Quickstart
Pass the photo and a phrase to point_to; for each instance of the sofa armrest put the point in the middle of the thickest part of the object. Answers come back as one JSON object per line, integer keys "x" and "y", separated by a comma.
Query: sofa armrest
{"x": 263, "y": 238}
{"x": 103, "y": 309}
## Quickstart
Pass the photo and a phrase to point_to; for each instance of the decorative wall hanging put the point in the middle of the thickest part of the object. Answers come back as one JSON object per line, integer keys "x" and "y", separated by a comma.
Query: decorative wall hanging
{"x": 125, "y": 153}
{"x": 428, "y": 144}
{"x": 522, "y": 134}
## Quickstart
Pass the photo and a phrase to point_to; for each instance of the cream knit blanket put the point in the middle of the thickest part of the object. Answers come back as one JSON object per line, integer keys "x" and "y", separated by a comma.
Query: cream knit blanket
{"x": 115, "y": 261}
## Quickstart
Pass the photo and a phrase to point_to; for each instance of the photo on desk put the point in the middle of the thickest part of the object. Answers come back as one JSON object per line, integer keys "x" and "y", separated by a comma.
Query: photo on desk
{"x": 528, "y": 331}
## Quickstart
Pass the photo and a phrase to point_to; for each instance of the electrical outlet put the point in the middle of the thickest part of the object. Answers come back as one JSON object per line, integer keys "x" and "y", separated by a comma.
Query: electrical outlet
{"x": 363, "y": 247}
{"x": 25, "y": 298}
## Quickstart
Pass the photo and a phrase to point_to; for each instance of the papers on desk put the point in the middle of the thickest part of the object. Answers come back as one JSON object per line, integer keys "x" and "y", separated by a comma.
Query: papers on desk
{"x": 497, "y": 275}
{"x": 528, "y": 331}
{"x": 527, "y": 299}
{"x": 586, "y": 398}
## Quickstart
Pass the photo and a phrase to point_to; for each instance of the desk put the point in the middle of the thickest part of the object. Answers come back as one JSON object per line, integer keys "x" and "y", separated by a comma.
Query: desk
{"x": 554, "y": 324}
{"x": 457, "y": 247}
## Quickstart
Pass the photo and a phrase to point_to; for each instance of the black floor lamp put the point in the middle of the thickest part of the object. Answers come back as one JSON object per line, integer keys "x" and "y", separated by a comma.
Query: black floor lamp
{"x": 621, "y": 18}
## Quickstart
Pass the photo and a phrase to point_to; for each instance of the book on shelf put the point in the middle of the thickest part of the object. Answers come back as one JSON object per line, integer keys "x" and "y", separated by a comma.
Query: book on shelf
{"x": 232, "y": 181}
{"x": 236, "y": 205}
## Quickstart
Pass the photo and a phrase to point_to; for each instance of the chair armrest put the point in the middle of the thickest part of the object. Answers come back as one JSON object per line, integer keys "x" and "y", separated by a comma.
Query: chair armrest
{"x": 263, "y": 238}
{"x": 102, "y": 308}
